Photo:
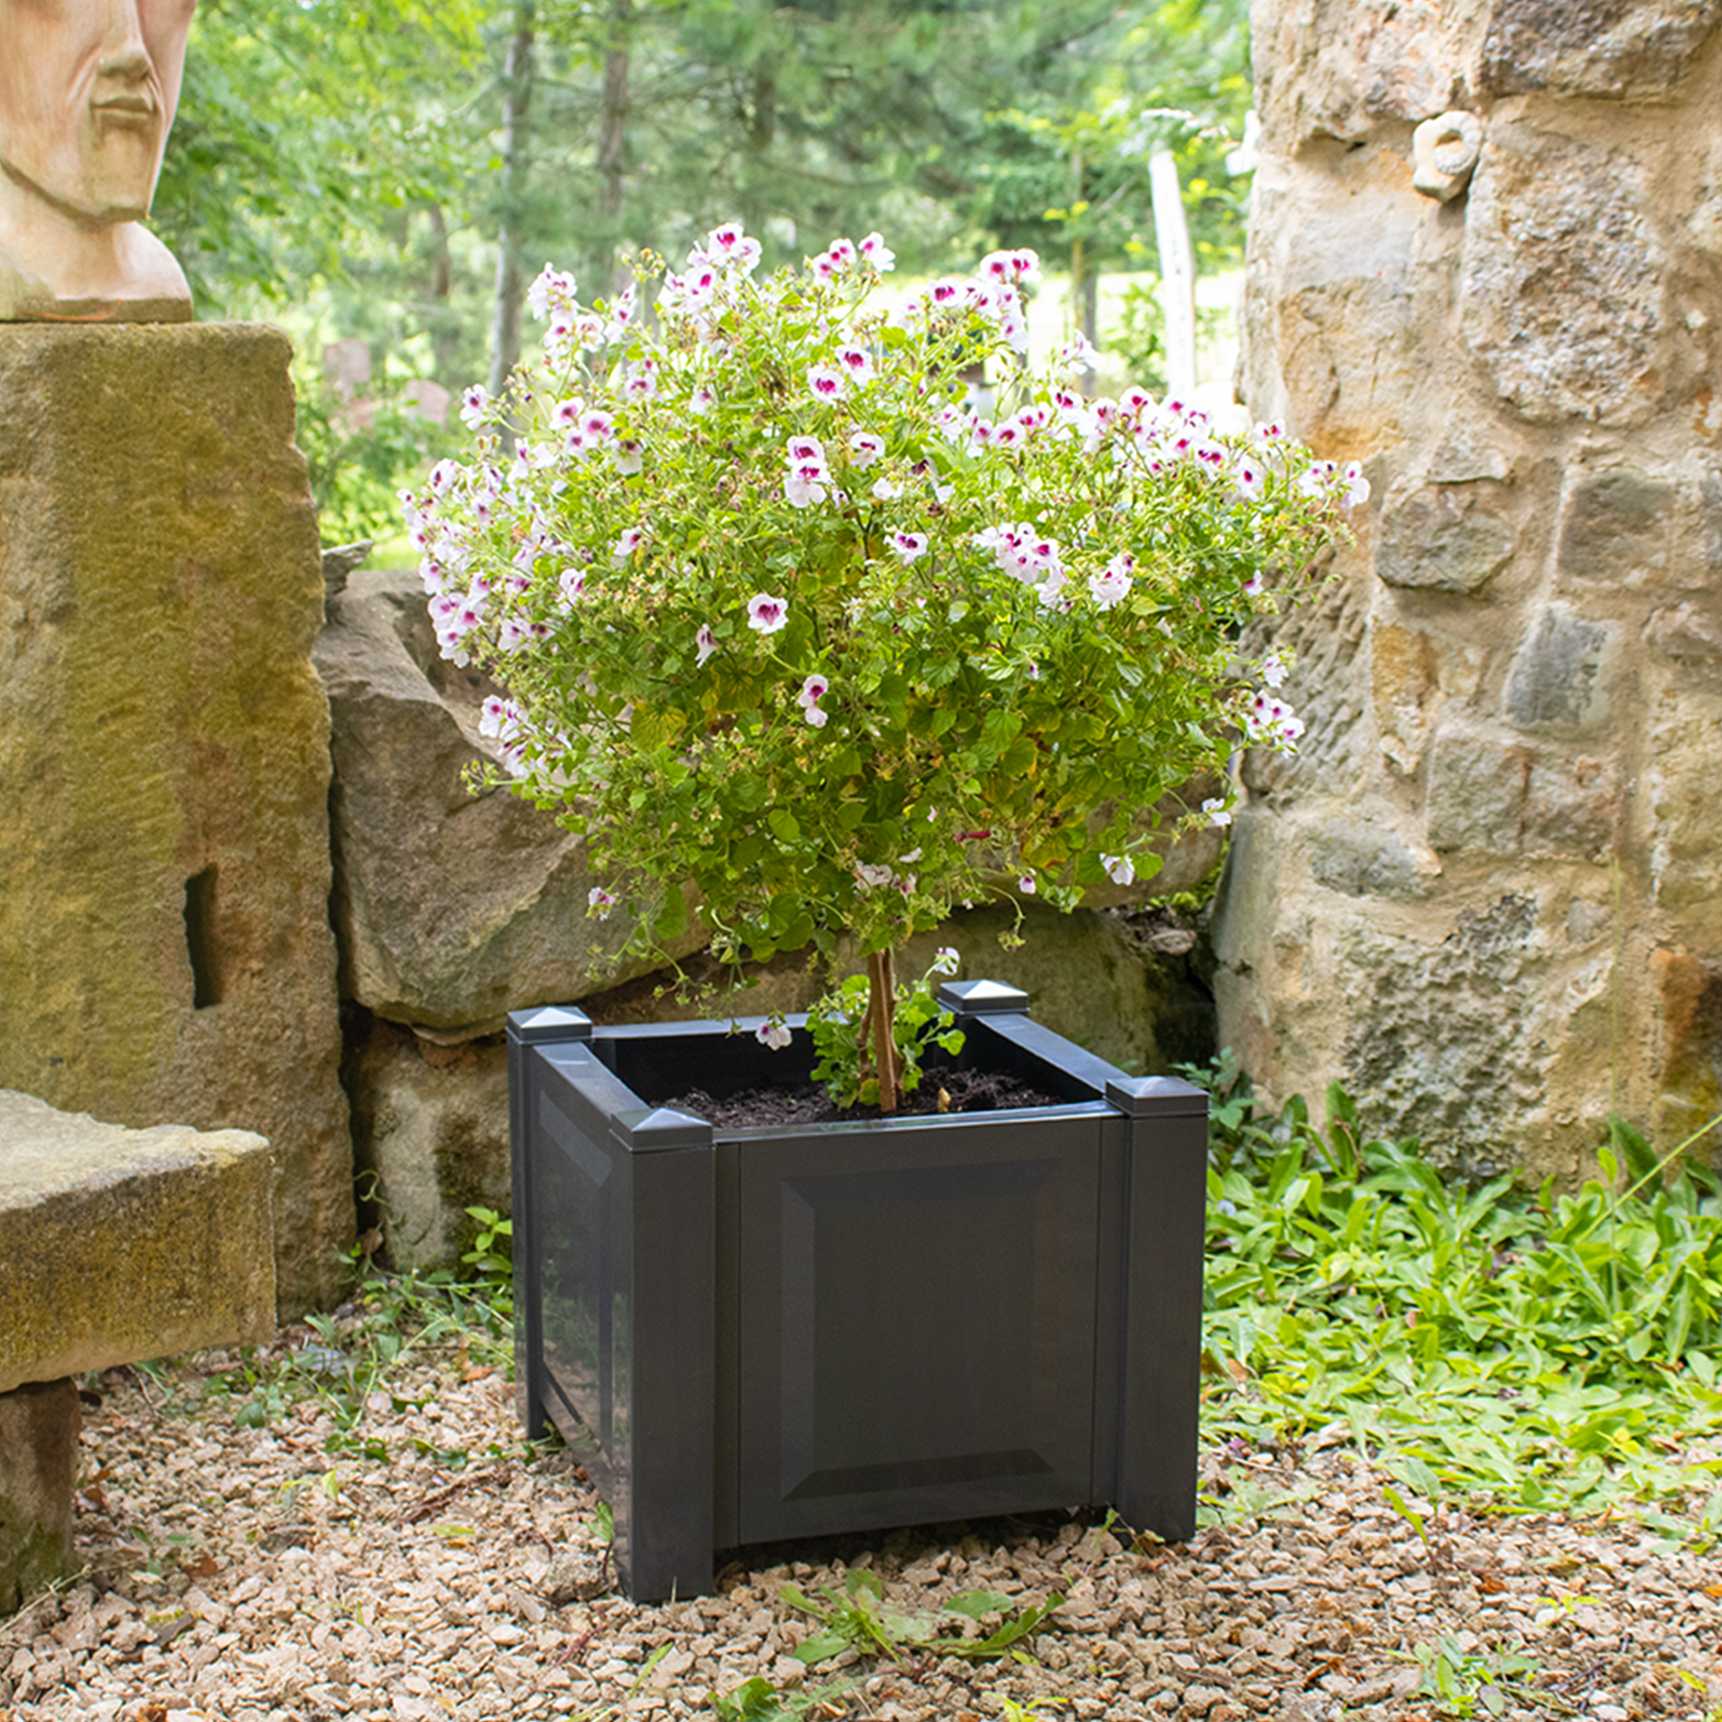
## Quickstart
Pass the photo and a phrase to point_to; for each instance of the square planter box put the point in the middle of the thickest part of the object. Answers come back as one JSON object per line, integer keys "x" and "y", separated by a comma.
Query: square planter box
{"x": 766, "y": 1333}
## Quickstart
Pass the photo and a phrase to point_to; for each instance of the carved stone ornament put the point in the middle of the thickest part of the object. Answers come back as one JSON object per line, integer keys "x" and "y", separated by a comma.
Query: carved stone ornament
{"x": 1443, "y": 153}
{"x": 88, "y": 92}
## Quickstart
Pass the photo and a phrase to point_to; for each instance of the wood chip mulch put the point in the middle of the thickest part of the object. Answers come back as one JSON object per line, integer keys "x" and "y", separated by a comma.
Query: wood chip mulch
{"x": 246, "y": 1575}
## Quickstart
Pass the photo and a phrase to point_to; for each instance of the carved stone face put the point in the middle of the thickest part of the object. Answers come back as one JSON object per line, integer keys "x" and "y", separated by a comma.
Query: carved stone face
{"x": 88, "y": 90}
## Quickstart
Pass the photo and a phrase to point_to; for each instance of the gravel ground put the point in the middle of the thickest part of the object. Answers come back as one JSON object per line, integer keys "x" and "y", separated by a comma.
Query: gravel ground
{"x": 243, "y": 1574}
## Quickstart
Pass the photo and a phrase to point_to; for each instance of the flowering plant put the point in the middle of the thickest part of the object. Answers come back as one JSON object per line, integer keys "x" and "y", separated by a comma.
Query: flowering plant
{"x": 807, "y": 642}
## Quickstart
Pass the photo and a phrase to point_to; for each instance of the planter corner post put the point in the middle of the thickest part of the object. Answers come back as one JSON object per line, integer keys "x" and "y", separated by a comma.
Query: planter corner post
{"x": 527, "y": 1028}
{"x": 1166, "y": 1190}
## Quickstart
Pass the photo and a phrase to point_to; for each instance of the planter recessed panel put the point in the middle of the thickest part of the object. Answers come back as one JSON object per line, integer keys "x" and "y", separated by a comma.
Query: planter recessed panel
{"x": 754, "y": 1334}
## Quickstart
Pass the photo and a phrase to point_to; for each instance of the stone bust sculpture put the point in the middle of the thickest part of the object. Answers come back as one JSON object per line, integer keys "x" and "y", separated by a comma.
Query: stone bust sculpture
{"x": 88, "y": 91}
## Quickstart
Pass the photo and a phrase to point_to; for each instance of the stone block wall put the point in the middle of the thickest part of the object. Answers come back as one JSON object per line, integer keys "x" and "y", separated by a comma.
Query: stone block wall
{"x": 1487, "y": 895}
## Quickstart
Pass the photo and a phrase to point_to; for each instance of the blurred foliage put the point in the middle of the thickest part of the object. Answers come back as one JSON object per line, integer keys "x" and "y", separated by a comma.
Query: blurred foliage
{"x": 361, "y": 457}
{"x": 339, "y": 164}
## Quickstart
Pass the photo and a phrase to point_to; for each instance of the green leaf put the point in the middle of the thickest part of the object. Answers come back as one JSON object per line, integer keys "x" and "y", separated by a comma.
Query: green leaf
{"x": 820, "y": 1647}
{"x": 976, "y": 1604}
{"x": 672, "y": 918}
{"x": 783, "y": 824}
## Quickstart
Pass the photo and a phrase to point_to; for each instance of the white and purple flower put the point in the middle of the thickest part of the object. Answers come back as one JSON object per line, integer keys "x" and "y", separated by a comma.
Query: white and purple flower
{"x": 813, "y": 690}
{"x": 826, "y": 384}
{"x": 766, "y": 614}
{"x": 1111, "y": 586}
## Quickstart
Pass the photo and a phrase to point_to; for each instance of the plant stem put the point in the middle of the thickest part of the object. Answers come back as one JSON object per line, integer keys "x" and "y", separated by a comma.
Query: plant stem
{"x": 882, "y": 1011}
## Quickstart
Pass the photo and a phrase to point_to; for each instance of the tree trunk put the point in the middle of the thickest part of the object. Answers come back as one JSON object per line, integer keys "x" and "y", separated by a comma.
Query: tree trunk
{"x": 613, "y": 137}
{"x": 882, "y": 1015}
{"x": 516, "y": 114}
{"x": 444, "y": 328}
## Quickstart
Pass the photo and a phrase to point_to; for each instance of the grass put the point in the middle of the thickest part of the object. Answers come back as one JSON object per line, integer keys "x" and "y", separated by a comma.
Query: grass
{"x": 1527, "y": 1350}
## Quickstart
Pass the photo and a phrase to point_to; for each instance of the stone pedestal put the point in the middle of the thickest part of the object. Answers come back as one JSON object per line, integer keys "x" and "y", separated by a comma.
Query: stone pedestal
{"x": 115, "y": 1246}
{"x": 1485, "y": 895}
{"x": 38, "y": 1465}
{"x": 165, "y": 947}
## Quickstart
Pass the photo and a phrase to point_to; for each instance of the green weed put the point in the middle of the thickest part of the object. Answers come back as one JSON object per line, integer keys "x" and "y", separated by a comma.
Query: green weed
{"x": 1478, "y": 1683}
{"x": 354, "y": 1359}
{"x": 859, "y": 1618}
{"x": 757, "y": 1700}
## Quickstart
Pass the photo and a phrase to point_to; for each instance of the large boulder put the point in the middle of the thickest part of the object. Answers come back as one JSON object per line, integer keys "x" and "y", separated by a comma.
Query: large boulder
{"x": 165, "y": 948}
{"x": 431, "y": 1124}
{"x": 452, "y": 909}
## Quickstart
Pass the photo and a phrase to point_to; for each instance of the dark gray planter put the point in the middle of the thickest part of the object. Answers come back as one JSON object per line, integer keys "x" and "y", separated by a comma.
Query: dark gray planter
{"x": 756, "y": 1334}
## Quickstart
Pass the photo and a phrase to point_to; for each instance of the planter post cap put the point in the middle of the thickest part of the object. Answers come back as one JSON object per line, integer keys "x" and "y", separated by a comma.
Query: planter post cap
{"x": 983, "y": 998}
{"x": 646, "y": 1129}
{"x": 1157, "y": 1097}
{"x": 549, "y": 1022}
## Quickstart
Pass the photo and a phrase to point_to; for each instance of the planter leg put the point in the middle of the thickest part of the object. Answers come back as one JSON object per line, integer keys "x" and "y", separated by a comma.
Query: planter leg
{"x": 1167, "y": 1184}
{"x": 666, "y": 1505}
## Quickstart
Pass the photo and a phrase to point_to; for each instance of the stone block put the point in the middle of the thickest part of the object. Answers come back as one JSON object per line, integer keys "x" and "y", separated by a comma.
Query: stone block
{"x": 1476, "y": 793}
{"x": 1561, "y": 675}
{"x": 1361, "y": 855}
{"x": 431, "y": 1126}
{"x": 1444, "y": 537}
{"x": 118, "y": 1245}
{"x": 1688, "y": 993}
{"x": 1563, "y": 297}
{"x": 453, "y": 909}
{"x": 1343, "y": 68}
{"x": 1690, "y": 633}
{"x": 1455, "y": 1028}
{"x": 165, "y": 948}
{"x": 1616, "y": 527}
{"x": 1677, "y": 820}
{"x": 1342, "y": 338}
{"x": 1573, "y": 807}
{"x": 1621, "y": 48}
{"x": 38, "y": 1466}
{"x": 1404, "y": 682}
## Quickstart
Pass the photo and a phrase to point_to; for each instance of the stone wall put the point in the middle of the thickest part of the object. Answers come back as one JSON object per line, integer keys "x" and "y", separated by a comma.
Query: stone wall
{"x": 165, "y": 948}
{"x": 1488, "y": 893}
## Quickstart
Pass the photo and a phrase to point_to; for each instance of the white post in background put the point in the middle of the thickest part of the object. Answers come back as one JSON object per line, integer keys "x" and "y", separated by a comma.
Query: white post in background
{"x": 1177, "y": 272}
